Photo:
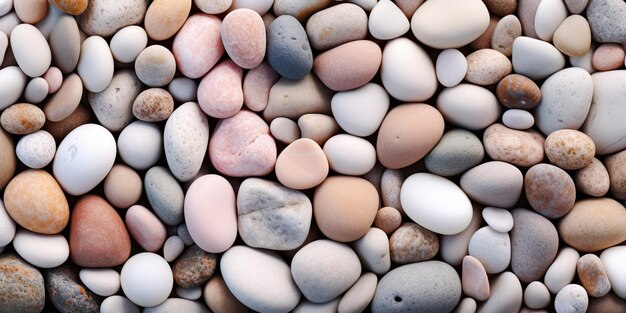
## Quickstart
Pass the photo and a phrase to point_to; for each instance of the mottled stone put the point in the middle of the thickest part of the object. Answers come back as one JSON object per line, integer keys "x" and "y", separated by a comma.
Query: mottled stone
{"x": 22, "y": 286}
{"x": 67, "y": 293}
{"x": 194, "y": 267}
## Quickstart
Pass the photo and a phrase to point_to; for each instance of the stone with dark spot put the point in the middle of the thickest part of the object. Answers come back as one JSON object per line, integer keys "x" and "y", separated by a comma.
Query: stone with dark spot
{"x": 21, "y": 286}
{"x": 67, "y": 294}
{"x": 194, "y": 267}
{"x": 288, "y": 49}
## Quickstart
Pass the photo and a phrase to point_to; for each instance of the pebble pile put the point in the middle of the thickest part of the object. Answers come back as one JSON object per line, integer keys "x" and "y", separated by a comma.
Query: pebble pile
{"x": 312, "y": 156}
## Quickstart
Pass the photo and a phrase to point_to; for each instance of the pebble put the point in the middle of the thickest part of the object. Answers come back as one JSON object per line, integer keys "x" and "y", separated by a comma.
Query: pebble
{"x": 457, "y": 151}
{"x": 72, "y": 7}
{"x": 534, "y": 244}
{"x": 492, "y": 248}
{"x": 30, "y": 49}
{"x": 93, "y": 219}
{"x": 5, "y": 7}
{"x": 520, "y": 148}
{"x": 576, "y": 6}
{"x": 563, "y": 270}
{"x": 260, "y": 279}
{"x": 474, "y": 279}
{"x": 243, "y": 35}
{"x": 499, "y": 219}
{"x": 350, "y": 155}
{"x": 337, "y": 218}
{"x": 22, "y": 289}
{"x": 358, "y": 297}
{"x": 145, "y": 228}
{"x": 407, "y": 72}
{"x": 14, "y": 81}
{"x": 412, "y": 243}
{"x": 220, "y": 299}
{"x": 8, "y": 22}
{"x": 22, "y": 119}
{"x": 501, "y": 7}
{"x": 504, "y": 33}
{"x": 95, "y": 66}
{"x": 220, "y": 92}
{"x": 536, "y": 295}
{"x": 549, "y": 190}
{"x": 128, "y": 42}
{"x": 593, "y": 276}
{"x": 325, "y": 269}
{"x": 594, "y": 224}
{"x": 431, "y": 286}
{"x": 466, "y": 305}
{"x": 518, "y": 92}
{"x": 602, "y": 124}
{"x": 186, "y": 138}
{"x": 140, "y": 144}
{"x": 347, "y": 107}
{"x": 302, "y": 11}
{"x": 306, "y": 306}
{"x": 155, "y": 66}
{"x": 526, "y": 12}
{"x": 241, "y": 145}
{"x": 65, "y": 44}
{"x": 493, "y": 183}
{"x": 451, "y": 67}
{"x": 50, "y": 19}
{"x": 593, "y": 179}
{"x": 291, "y": 58}
{"x": 7, "y": 232}
{"x": 118, "y": 304}
{"x": 548, "y": 17}
{"x": 348, "y": 66}
{"x": 81, "y": 116}
{"x": 614, "y": 165}
{"x": 153, "y": 105}
{"x": 271, "y": 216}
{"x": 387, "y": 21}
{"x": 573, "y": 45}
{"x": 194, "y": 267}
{"x": 172, "y": 248}
{"x": 7, "y": 159}
{"x": 319, "y": 127}
{"x": 36, "y": 90}
{"x": 66, "y": 292}
{"x": 183, "y": 233}
{"x": 390, "y": 186}
{"x": 146, "y": 279}
{"x": 518, "y": 119}
{"x": 211, "y": 214}
{"x": 164, "y": 195}
{"x": 535, "y": 58}
{"x": 606, "y": 19}
{"x": 113, "y": 106}
{"x": 506, "y": 294}
{"x": 608, "y": 57}
{"x": 613, "y": 260}
{"x": 487, "y": 67}
{"x": 53, "y": 78}
{"x": 484, "y": 40}
{"x": 103, "y": 282}
{"x": 104, "y": 18}
{"x": 213, "y": 6}
{"x": 165, "y": 17}
{"x": 65, "y": 101}
{"x": 284, "y": 130}
{"x": 337, "y": 25}
{"x": 43, "y": 251}
{"x": 388, "y": 219}
{"x": 302, "y": 165}
{"x": 429, "y": 27}
{"x": 257, "y": 85}
{"x": 36, "y": 150}
{"x": 454, "y": 247}
{"x": 177, "y": 304}
{"x": 569, "y": 149}
{"x": 294, "y": 98}
{"x": 374, "y": 250}
{"x": 459, "y": 103}
{"x": 572, "y": 298}
{"x": 422, "y": 196}
{"x": 183, "y": 89}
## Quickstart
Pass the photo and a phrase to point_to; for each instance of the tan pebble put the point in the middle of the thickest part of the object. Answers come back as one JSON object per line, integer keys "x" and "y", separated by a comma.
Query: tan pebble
{"x": 501, "y": 7}
{"x": 219, "y": 298}
{"x": 521, "y": 148}
{"x": 550, "y": 190}
{"x": 412, "y": 243}
{"x": 336, "y": 25}
{"x": 573, "y": 36}
{"x": 31, "y": 11}
{"x": 122, "y": 186}
{"x": 592, "y": 275}
{"x": 518, "y": 92}
{"x": 165, "y": 17}
{"x": 243, "y": 35}
{"x": 608, "y": 303}
{"x": 8, "y": 160}
{"x": 344, "y": 207}
{"x": 155, "y": 66}
{"x": 487, "y": 67}
{"x": 153, "y": 105}
{"x": 257, "y": 85}
{"x": 388, "y": 219}
{"x": 569, "y": 149}
{"x": 484, "y": 41}
{"x": 198, "y": 45}
{"x": 348, "y": 66}
{"x": 54, "y": 78}
{"x": 576, "y": 6}
{"x": 22, "y": 119}
{"x": 474, "y": 280}
{"x": 65, "y": 100}
{"x": 318, "y": 127}
{"x": 616, "y": 167}
{"x": 72, "y": 7}
{"x": 302, "y": 165}
{"x": 593, "y": 179}
{"x": 608, "y": 56}
{"x": 390, "y": 186}
{"x": 507, "y": 29}
{"x": 285, "y": 130}
{"x": 294, "y": 98}
{"x": 58, "y": 130}
{"x": 220, "y": 93}
{"x": 407, "y": 134}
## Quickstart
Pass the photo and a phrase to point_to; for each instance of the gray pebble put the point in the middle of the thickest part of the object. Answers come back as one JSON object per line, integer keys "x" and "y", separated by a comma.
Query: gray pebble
{"x": 457, "y": 151}
{"x": 105, "y": 17}
{"x": 68, "y": 295}
{"x": 165, "y": 195}
{"x": 178, "y": 305}
{"x": 607, "y": 19}
{"x": 288, "y": 49}
{"x": 571, "y": 299}
{"x": 114, "y": 105}
{"x": 21, "y": 286}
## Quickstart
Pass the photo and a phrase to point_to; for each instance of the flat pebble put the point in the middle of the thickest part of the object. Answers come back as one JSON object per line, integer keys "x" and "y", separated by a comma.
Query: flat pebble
{"x": 499, "y": 219}
{"x": 153, "y": 105}
{"x": 294, "y": 98}
{"x": 492, "y": 248}
{"x": 66, "y": 292}
{"x": 337, "y": 25}
{"x": 350, "y": 155}
{"x": 194, "y": 267}
{"x": 36, "y": 150}
{"x": 65, "y": 44}
{"x": 390, "y": 186}
{"x": 593, "y": 276}
{"x": 387, "y": 21}
{"x": 165, "y": 17}
{"x": 535, "y": 58}
{"x": 22, "y": 119}
{"x": 374, "y": 251}
{"x": 571, "y": 299}
{"x": 291, "y": 58}
{"x": 146, "y": 279}
{"x": 613, "y": 259}
{"x": 284, "y": 130}
{"x": 243, "y": 35}
{"x": 493, "y": 183}
{"x": 457, "y": 151}
{"x": 113, "y": 106}
{"x": 469, "y": 106}
{"x": 347, "y": 107}
{"x": 319, "y": 127}
{"x": 573, "y": 45}
{"x": 518, "y": 92}
{"x": 358, "y": 297}
{"x": 257, "y": 85}
{"x": 172, "y": 248}
{"x": 506, "y": 294}
{"x": 43, "y": 251}
{"x": 348, "y": 66}
{"x": 474, "y": 279}
{"x": 536, "y": 295}
{"x": 520, "y": 148}
{"x": 164, "y": 195}
{"x": 507, "y": 29}
{"x": 118, "y": 304}
{"x": 302, "y": 165}
{"x": 30, "y": 49}
{"x": 95, "y": 66}
{"x": 220, "y": 92}
{"x": 518, "y": 119}
{"x": 183, "y": 89}
{"x": 128, "y": 42}
{"x": 451, "y": 67}
{"x": 104, "y": 18}
{"x": 66, "y": 99}
{"x": 548, "y": 17}
{"x": 15, "y": 82}
{"x": 145, "y": 228}
{"x": 562, "y": 271}
{"x": 549, "y": 190}
{"x": 412, "y": 243}
{"x": 487, "y": 67}
{"x": 220, "y": 299}
{"x": 23, "y": 286}
{"x": 198, "y": 45}
{"x": 186, "y": 138}
{"x": 155, "y": 66}
{"x": 103, "y": 282}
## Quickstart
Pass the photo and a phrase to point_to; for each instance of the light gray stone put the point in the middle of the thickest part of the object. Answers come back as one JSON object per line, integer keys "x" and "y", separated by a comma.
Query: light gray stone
{"x": 607, "y": 19}
{"x": 165, "y": 195}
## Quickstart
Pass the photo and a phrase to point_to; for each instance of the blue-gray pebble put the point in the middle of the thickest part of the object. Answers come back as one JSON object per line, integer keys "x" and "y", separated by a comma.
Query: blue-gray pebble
{"x": 67, "y": 294}
{"x": 21, "y": 286}
{"x": 607, "y": 19}
{"x": 165, "y": 195}
{"x": 288, "y": 49}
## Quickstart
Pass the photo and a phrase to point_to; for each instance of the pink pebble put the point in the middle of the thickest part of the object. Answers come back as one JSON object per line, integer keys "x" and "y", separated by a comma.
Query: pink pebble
{"x": 198, "y": 45}
{"x": 220, "y": 93}
{"x": 54, "y": 78}
{"x": 608, "y": 56}
{"x": 242, "y": 146}
{"x": 243, "y": 35}
{"x": 257, "y": 85}
{"x": 145, "y": 228}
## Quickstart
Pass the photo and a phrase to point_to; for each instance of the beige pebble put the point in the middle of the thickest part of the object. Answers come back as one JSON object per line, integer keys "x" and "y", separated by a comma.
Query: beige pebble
{"x": 487, "y": 67}
{"x": 22, "y": 119}
{"x": 569, "y": 149}
{"x": 501, "y": 7}
{"x": 284, "y": 130}
{"x": 65, "y": 100}
{"x": 165, "y": 17}
{"x": 573, "y": 36}
{"x": 257, "y": 85}
{"x": 155, "y": 66}
{"x": 31, "y": 11}
{"x": 7, "y": 158}
{"x": 505, "y": 32}
{"x": 608, "y": 56}
{"x": 318, "y": 127}
{"x": 294, "y": 98}
{"x": 122, "y": 186}
{"x": 616, "y": 167}
{"x": 388, "y": 219}
{"x": 521, "y": 148}
{"x": 153, "y": 105}
{"x": 302, "y": 165}
{"x": 593, "y": 179}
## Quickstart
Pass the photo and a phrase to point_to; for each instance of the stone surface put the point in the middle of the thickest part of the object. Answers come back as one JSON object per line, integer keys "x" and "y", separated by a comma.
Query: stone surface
{"x": 65, "y": 101}
{"x": 457, "y": 104}
{"x": 165, "y": 17}
{"x": 518, "y": 119}
{"x": 95, "y": 65}
{"x": 113, "y": 106}
{"x": 457, "y": 151}
{"x": 220, "y": 92}
{"x": 302, "y": 165}
{"x": 146, "y": 279}
{"x": 186, "y": 138}
{"x": 104, "y": 18}
{"x": 374, "y": 250}
{"x": 243, "y": 35}
{"x": 359, "y": 296}
{"x": 103, "y": 282}
{"x": 549, "y": 190}
{"x": 22, "y": 288}
{"x": 387, "y": 21}
{"x": 294, "y": 98}
{"x": 606, "y": 19}
{"x": 506, "y": 294}
{"x": 518, "y": 92}
{"x": 407, "y": 72}
{"x": 487, "y": 67}
{"x": 493, "y": 183}
{"x": 593, "y": 276}
{"x": 593, "y": 179}
{"x": 194, "y": 267}
{"x": 521, "y": 148}
{"x": 491, "y": 248}
{"x": 348, "y": 66}
{"x": 68, "y": 295}
{"x": 145, "y": 228}
{"x": 153, "y": 105}
{"x": 140, "y": 144}
{"x": 128, "y": 42}
{"x": 566, "y": 42}
{"x": 219, "y": 298}
{"x": 535, "y": 58}
{"x": 572, "y": 298}
{"x": 474, "y": 279}
{"x": 198, "y": 45}
{"x": 8, "y": 160}
{"x": 499, "y": 219}
{"x": 22, "y": 119}
{"x": 43, "y": 251}
{"x": 319, "y": 127}
{"x": 562, "y": 271}
{"x": 613, "y": 259}
{"x": 412, "y": 243}
{"x": 451, "y": 67}
{"x": 337, "y": 25}
{"x": 291, "y": 58}
{"x": 537, "y": 295}
{"x": 164, "y": 195}
{"x": 155, "y": 66}
{"x": 614, "y": 166}
{"x": 36, "y": 150}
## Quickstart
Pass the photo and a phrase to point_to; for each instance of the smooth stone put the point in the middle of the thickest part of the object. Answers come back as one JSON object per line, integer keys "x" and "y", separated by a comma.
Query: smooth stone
{"x": 5, "y": 7}
{"x": 507, "y": 29}
{"x": 301, "y": 10}
{"x": 534, "y": 245}
{"x": 271, "y": 216}
{"x": 23, "y": 286}
{"x": 469, "y": 106}
{"x": 22, "y": 119}
{"x": 145, "y": 228}
{"x": 146, "y": 279}
{"x": 291, "y": 58}
{"x": 499, "y": 219}
{"x": 569, "y": 149}
{"x": 576, "y": 6}
{"x": 474, "y": 279}
{"x": 518, "y": 92}
{"x": 469, "y": 20}
{"x": 50, "y": 19}
{"x": 72, "y": 7}
{"x": 140, "y": 144}
{"x": 430, "y": 286}
{"x": 36, "y": 150}
{"x": 269, "y": 285}
{"x": 348, "y": 66}
{"x": 454, "y": 247}
{"x": 128, "y": 42}
{"x": 325, "y": 269}
{"x": 387, "y": 21}
{"x": 571, "y": 299}
{"x": 337, "y": 25}
{"x": 451, "y": 67}
{"x": 492, "y": 248}
{"x": 614, "y": 166}
{"x": 260, "y": 7}
{"x": 594, "y": 224}
{"x": 104, "y": 18}
{"x": 573, "y": 45}
{"x": 284, "y": 130}
{"x": 457, "y": 151}
{"x": 302, "y": 165}
{"x": 350, "y": 155}
{"x": 183, "y": 233}
{"x": 535, "y": 58}
{"x": 43, "y": 251}
{"x": 67, "y": 294}
{"x": 220, "y": 92}
{"x": 213, "y": 6}
{"x": 359, "y": 296}
{"x": 374, "y": 251}
{"x": 118, "y": 304}
{"x": 294, "y": 98}
{"x": 593, "y": 180}
{"x": 8, "y": 22}
{"x": 506, "y": 294}
{"x": 520, "y": 148}
{"x": 407, "y": 72}
{"x": 65, "y": 44}
{"x": 220, "y": 299}
{"x": 7, "y": 226}
{"x": 613, "y": 260}
{"x": 8, "y": 158}
{"x": 348, "y": 108}
{"x": 30, "y": 49}
{"x": 153, "y": 105}
{"x": 318, "y": 127}
{"x": 93, "y": 219}
{"x": 549, "y": 190}
{"x": 35, "y": 201}
{"x": 518, "y": 119}
{"x": 487, "y": 67}
{"x": 186, "y": 138}
{"x": 606, "y": 19}
{"x": 493, "y": 183}
{"x": 562, "y": 271}
{"x": 95, "y": 66}
{"x": 548, "y": 17}
{"x": 527, "y": 10}
{"x": 466, "y": 305}
{"x": 65, "y": 101}
{"x": 113, "y": 106}
{"x": 390, "y": 186}
{"x": 211, "y": 214}
{"x": 193, "y": 293}
{"x": 501, "y": 7}
{"x": 183, "y": 89}
{"x": 194, "y": 267}
{"x": 177, "y": 304}
{"x": 164, "y": 195}
{"x": 14, "y": 81}
{"x": 421, "y": 197}
{"x": 412, "y": 243}
{"x": 53, "y": 78}
{"x": 607, "y": 57}
{"x": 36, "y": 90}
{"x": 243, "y": 35}
{"x": 257, "y": 84}
{"x": 306, "y": 306}
{"x": 585, "y": 62}
{"x": 103, "y": 282}
{"x": 537, "y": 295}
{"x": 155, "y": 66}
{"x": 165, "y": 17}
{"x": 172, "y": 248}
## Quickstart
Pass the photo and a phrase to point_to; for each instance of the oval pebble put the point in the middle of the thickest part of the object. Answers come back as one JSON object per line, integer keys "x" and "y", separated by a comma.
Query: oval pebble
{"x": 319, "y": 127}
{"x": 103, "y": 282}
{"x": 183, "y": 89}
{"x": 140, "y": 144}
{"x": 474, "y": 278}
{"x": 518, "y": 92}
{"x": 30, "y": 49}
{"x": 492, "y": 248}
{"x": 548, "y": 17}
{"x": 613, "y": 259}
{"x": 451, "y": 67}
{"x": 95, "y": 66}
{"x": 65, "y": 101}
{"x": 350, "y": 155}
{"x": 243, "y": 35}
{"x": 499, "y": 219}
{"x": 506, "y": 30}
{"x": 457, "y": 151}
{"x": 562, "y": 271}
{"x": 153, "y": 105}
{"x": 44, "y": 251}
{"x": 572, "y": 298}
{"x": 122, "y": 186}
{"x": 128, "y": 42}
{"x": 36, "y": 150}
{"x": 469, "y": 106}
{"x": 220, "y": 92}
{"x": 373, "y": 250}
{"x": 569, "y": 149}
{"x": 535, "y": 58}
{"x": 337, "y": 25}
{"x": 36, "y": 90}
{"x": 487, "y": 67}
{"x": 198, "y": 45}
{"x": 573, "y": 36}
{"x": 22, "y": 119}
{"x": 165, "y": 195}
{"x": 302, "y": 165}
{"x": 23, "y": 285}
{"x": 145, "y": 228}
{"x": 347, "y": 106}
{"x": 593, "y": 179}
{"x": 359, "y": 296}
{"x": 14, "y": 81}
{"x": 113, "y": 105}
{"x": 172, "y": 248}
{"x": 608, "y": 57}
{"x": 493, "y": 183}
{"x": 284, "y": 130}
{"x": 65, "y": 44}
{"x": 348, "y": 66}
{"x": 186, "y": 138}
{"x": 518, "y": 119}
{"x": 536, "y": 295}
{"x": 146, "y": 279}
{"x": 257, "y": 85}
{"x": 118, "y": 304}
{"x": 165, "y": 17}
{"x": 520, "y": 148}
{"x": 550, "y": 190}
{"x": 155, "y": 66}
{"x": 104, "y": 18}
{"x": 66, "y": 292}
{"x": 291, "y": 58}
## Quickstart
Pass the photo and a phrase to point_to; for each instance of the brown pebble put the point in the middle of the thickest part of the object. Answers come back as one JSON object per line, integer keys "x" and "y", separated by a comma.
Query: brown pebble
{"x": 569, "y": 149}
{"x": 58, "y": 130}
{"x": 8, "y": 161}
{"x": 153, "y": 105}
{"x": 487, "y": 67}
{"x": 501, "y": 7}
{"x": 408, "y": 7}
{"x": 22, "y": 119}
{"x": 608, "y": 56}
{"x": 318, "y": 127}
{"x": 219, "y": 298}
{"x": 484, "y": 41}
{"x": 518, "y": 92}
{"x": 388, "y": 219}
{"x": 507, "y": 29}
{"x": 194, "y": 267}
{"x": 72, "y": 7}
{"x": 593, "y": 179}
{"x": 521, "y": 148}
{"x": 412, "y": 243}
{"x": 122, "y": 186}
{"x": 550, "y": 190}
{"x": 592, "y": 275}
{"x": 616, "y": 167}
{"x": 65, "y": 100}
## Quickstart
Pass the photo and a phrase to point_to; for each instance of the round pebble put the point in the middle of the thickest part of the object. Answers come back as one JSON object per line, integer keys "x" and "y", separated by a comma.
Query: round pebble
{"x": 284, "y": 130}
{"x": 302, "y": 165}
{"x": 165, "y": 17}
{"x": 347, "y": 107}
{"x": 36, "y": 150}
{"x": 550, "y": 190}
{"x": 128, "y": 42}
{"x": 350, "y": 155}
{"x": 451, "y": 67}
{"x": 491, "y": 248}
{"x": 572, "y": 298}
{"x": 412, "y": 243}
{"x": 198, "y": 45}
{"x": 153, "y": 105}
{"x": 518, "y": 92}
{"x": 43, "y": 251}
{"x": 194, "y": 267}
{"x": 22, "y": 119}
{"x": 183, "y": 89}
{"x": 103, "y": 282}
{"x": 155, "y": 66}
{"x": 593, "y": 276}
{"x": 458, "y": 103}
{"x": 243, "y": 35}
{"x": 536, "y": 295}
{"x": 104, "y": 18}
{"x": 30, "y": 48}
{"x": 146, "y": 279}
{"x": 36, "y": 90}
{"x": 348, "y": 66}
{"x": 220, "y": 92}
{"x": 493, "y": 183}
{"x": 518, "y": 119}
{"x": 388, "y": 219}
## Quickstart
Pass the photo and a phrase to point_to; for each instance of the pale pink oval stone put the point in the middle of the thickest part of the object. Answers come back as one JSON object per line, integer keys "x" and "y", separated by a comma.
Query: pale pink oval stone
{"x": 257, "y": 85}
{"x": 220, "y": 93}
{"x": 145, "y": 228}
{"x": 608, "y": 56}
{"x": 198, "y": 45}
{"x": 243, "y": 35}
{"x": 54, "y": 78}
{"x": 242, "y": 146}
{"x": 210, "y": 213}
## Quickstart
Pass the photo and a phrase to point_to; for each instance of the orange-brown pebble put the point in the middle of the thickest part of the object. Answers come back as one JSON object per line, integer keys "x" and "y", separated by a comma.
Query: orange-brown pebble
{"x": 302, "y": 165}
{"x": 36, "y": 202}
{"x": 348, "y": 66}
{"x": 518, "y": 92}
{"x": 521, "y": 148}
{"x": 616, "y": 167}
{"x": 501, "y": 7}
{"x": 165, "y": 17}
{"x": 407, "y": 134}
{"x": 72, "y": 7}
{"x": 122, "y": 186}
{"x": 153, "y": 105}
{"x": 31, "y": 11}
{"x": 593, "y": 179}
{"x": 592, "y": 275}
{"x": 22, "y": 119}
{"x": 345, "y": 207}
{"x": 388, "y": 219}
{"x": 608, "y": 56}
{"x": 569, "y": 149}
{"x": 8, "y": 160}
{"x": 412, "y": 243}
{"x": 58, "y": 130}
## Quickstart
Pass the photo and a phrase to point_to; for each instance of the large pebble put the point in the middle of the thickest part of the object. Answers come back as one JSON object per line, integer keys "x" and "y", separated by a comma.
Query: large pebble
{"x": 549, "y": 190}
{"x": 301, "y": 10}
{"x": 518, "y": 92}
{"x": 65, "y": 44}
{"x": 128, "y": 43}
{"x": 14, "y": 82}
{"x": 302, "y": 165}
{"x": 31, "y": 11}
{"x": 593, "y": 180}
{"x": 243, "y": 35}
{"x": 374, "y": 251}
{"x": 22, "y": 288}
{"x": 506, "y": 294}
{"x": 194, "y": 267}
{"x": 153, "y": 105}
{"x": 350, "y": 155}
{"x": 371, "y": 98}
{"x": 607, "y": 21}
{"x": 572, "y": 298}
{"x": 164, "y": 195}
{"x": 284, "y": 130}
{"x": 65, "y": 101}
{"x": 520, "y": 148}
{"x": 155, "y": 66}
{"x": 412, "y": 243}
{"x": 294, "y": 98}
{"x": 573, "y": 36}
{"x": 22, "y": 119}
{"x": 536, "y": 295}
{"x": 493, "y": 183}
{"x": 504, "y": 34}
{"x": 257, "y": 85}
{"x": 95, "y": 66}
{"x": 535, "y": 58}
{"x": 271, "y": 216}
{"x": 451, "y": 67}
{"x": 211, "y": 214}
{"x": 103, "y": 282}
{"x": 36, "y": 150}
{"x": 43, "y": 251}
{"x": 30, "y": 49}
{"x": 457, "y": 151}
{"x": 146, "y": 279}
{"x": 469, "y": 106}
{"x": 348, "y": 66}
{"x": 291, "y": 58}
{"x": 186, "y": 138}
{"x": 613, "y": 260}
{"x": 563, "y": 270}
{"x": 474, "y": 279}
{"x": 66, "y": 292}
{"x": 220, "y": 299}
{"x": 113, "y": 106}
{"x": 487, "y": 67}
{"x": 198, "y": 45}
{"x": 337, "y": 25}
{"x": 104, "y": 18}
{"x": 492, "y": 248}
{"x": 387, "y": 21}
{"x": 569, "y": 149}
{"x": 140, "y": 144}
{"x": 220, "y": 92}
{"x": 358, "y": 297}
{"x": 145, "y": 228}
{"x": 165, "y": 17}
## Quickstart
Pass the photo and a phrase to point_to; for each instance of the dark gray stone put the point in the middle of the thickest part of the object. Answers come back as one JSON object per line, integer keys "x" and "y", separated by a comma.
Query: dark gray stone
{"x": 288, "y": 49}
{"x": 457, "y": 151}
{"x": 68, "y": 295}
{"x": 21, "y": 286}
{"x": 165, "y": 195}
{"x": 607, "y": 19}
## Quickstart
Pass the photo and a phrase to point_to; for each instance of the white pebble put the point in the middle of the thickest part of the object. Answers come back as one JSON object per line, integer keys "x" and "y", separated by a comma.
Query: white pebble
{"x": 193, "y": 293}
{"x": 95, "y": 66}
{"x": 36, "y": 150}
{"x": 499, "y": 219}
{"x": 350, "y": 155}
{"x": 36, "y": 90}
{"x": 5, "y": 6}
{"x": 571, "y": 299}
{"x": 7, "y": 226}
{"x": 30, "y": 49}
{"x": 118, "y": 304}
{"x": 172, "y": 248}
{"x": 102, "y": 281}
{"x": 13, "y": 82}
{"x": 360, "y": 111}
{"x": 563, "y": 270}
{"x": 128, "y": 42}
{"x": 386, "y": 21}
{"x": 451, "y": 67}
{"x": 140, "y": 144}
{"x": 536, "y": 295}
{"x": 614, "y": 259}
{"x": 518, "y": 119}
{"x": 146, "y": 279}
{"x": 45, "y": 251}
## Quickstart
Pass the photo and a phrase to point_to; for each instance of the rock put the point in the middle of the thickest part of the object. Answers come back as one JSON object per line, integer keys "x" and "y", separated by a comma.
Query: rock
{"x": 183, "y": 89}
{"x": 499, "y": 219}
{"x": 186, "y": 138}
{"x": 220, "y": 299}
{"x": 146, "y": 279}
{"x": 526, "y": 11}
{"x": 454, "y": 247}
{"x": 390, "y": 185}
{"x": 165, "y": 17}
{"x": 388, "y": 219}
{"x": 306, "y": 306}
{"x": 412, "y": 243}
{"x": 164, "y": 195}
{"x": 576, "y": 6}
{"x": 450, "y": 67}
{"x": 549, "y": 190}
{"x": 336, "y": 25}
{"x": 608, "y": 57}
{"x": 324, "y": 269}
{"x": 569, "y": 149}
{"x": 36, "y": 90}
{"x": 118, "y": 304}
{"x": 506, "y": 294}
{"x": 422, "y": 196}
{"x": 65, "y": 44}
{"x": 72, "y": 7}
{"x": 577, "y": 45}
{"x": 407, "y": 72}
{"x": 606, "y": 19}
{"x": 428, "y": 26}
{"x": 22, "y": 119}
{"x": 145, "y": 228}
{"x": 269, "y": 287}
{"x": 593, "y": 276}
{"x": 7, "y": 225}
{"x": 53, "y": 78}
{"x": 243, "y": 35}
{"x": 319, "y": 127}
{"x": 562, "y": 270}
{"x": 140, "y": 144}
{"x": 104, "y": 18}
{"x": 284, "y": 130}
{"x": 614, "y": 166}
{"x": 466, "y": 305}
{"x": 348, "y": 66}
{"x": 302, "y": 11}
{"x": 534, "y": 244}
{"x": 103, "y": 282}
{"x": 350, "y": 155}
{"x": 336, "y": 217}
{"x": 43, "y": 251}
{"x": 536, "y": 295}
{"x": 95, "y": 66}
{"x": 518, "y": 119}
{"x": 430, "y": 286}
{"x": 256, "y": 86}
{"x": 66, "y": 292}
{"x": 474, "y": 279}
{"x": 30, "y": 49}
{"x": 292, "y": 99}
{"x": 613, "y": 259}
{"x": 493, "y": 183}
{"x": 153, "y": 105}
{"x": 212, "y": 6}
{"x": 198, "y": 45}
{"x": 387, "y": 21}
{"x": 370, "y": 98}
{"x": 176, "y": 304}
{"x": 23, "y": 286}
{"x": 271, "y": 216}
{"x": 65, "y": 101}
{"x": 31, "y": 11}
{"x": 192, "y": 294}
{"x": 36, "y": 150}
{"x": 7, "y": 158}
{"x": 302, "y": 165}
{"x": 260, "y": 7}
{"x": 457, "y": 151}
{"x": 520, "y": 148}
{"x": 453, "y": 104}
{"x": 220, "y": 92}
{"x": 155, "y": 65}
{"x": 291, "y": 58}
{"x": 491, "y": 248}
{"x": 504, "y": 34}
{"x": 15, "y": 82}
{"x": 172, "y": 248}
{"x": 593, "y": 179}
{"x": 194, "y": 267}
{"x": 359, "y": 296}
{"x": 572, "y": 298}
{"x": 581, "y": 227}
{"x": 487, "y": 67}
{"x": 518, "y": 92}
{"x": 374, "y": 251}
{"x": 548, "y": 17}
{"x": 128, "y": 43}
{"x": 113, "y": 106}
{"x": 535, "y": 58}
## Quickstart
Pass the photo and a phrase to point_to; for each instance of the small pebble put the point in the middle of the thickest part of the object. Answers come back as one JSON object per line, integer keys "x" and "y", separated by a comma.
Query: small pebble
{"x": 571, "y": 299}
{"x": 388, "y": 219}
{"x": 536, "y": 295}
{"x": 499, "y": 219}
{"x": 36, "y": 150}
